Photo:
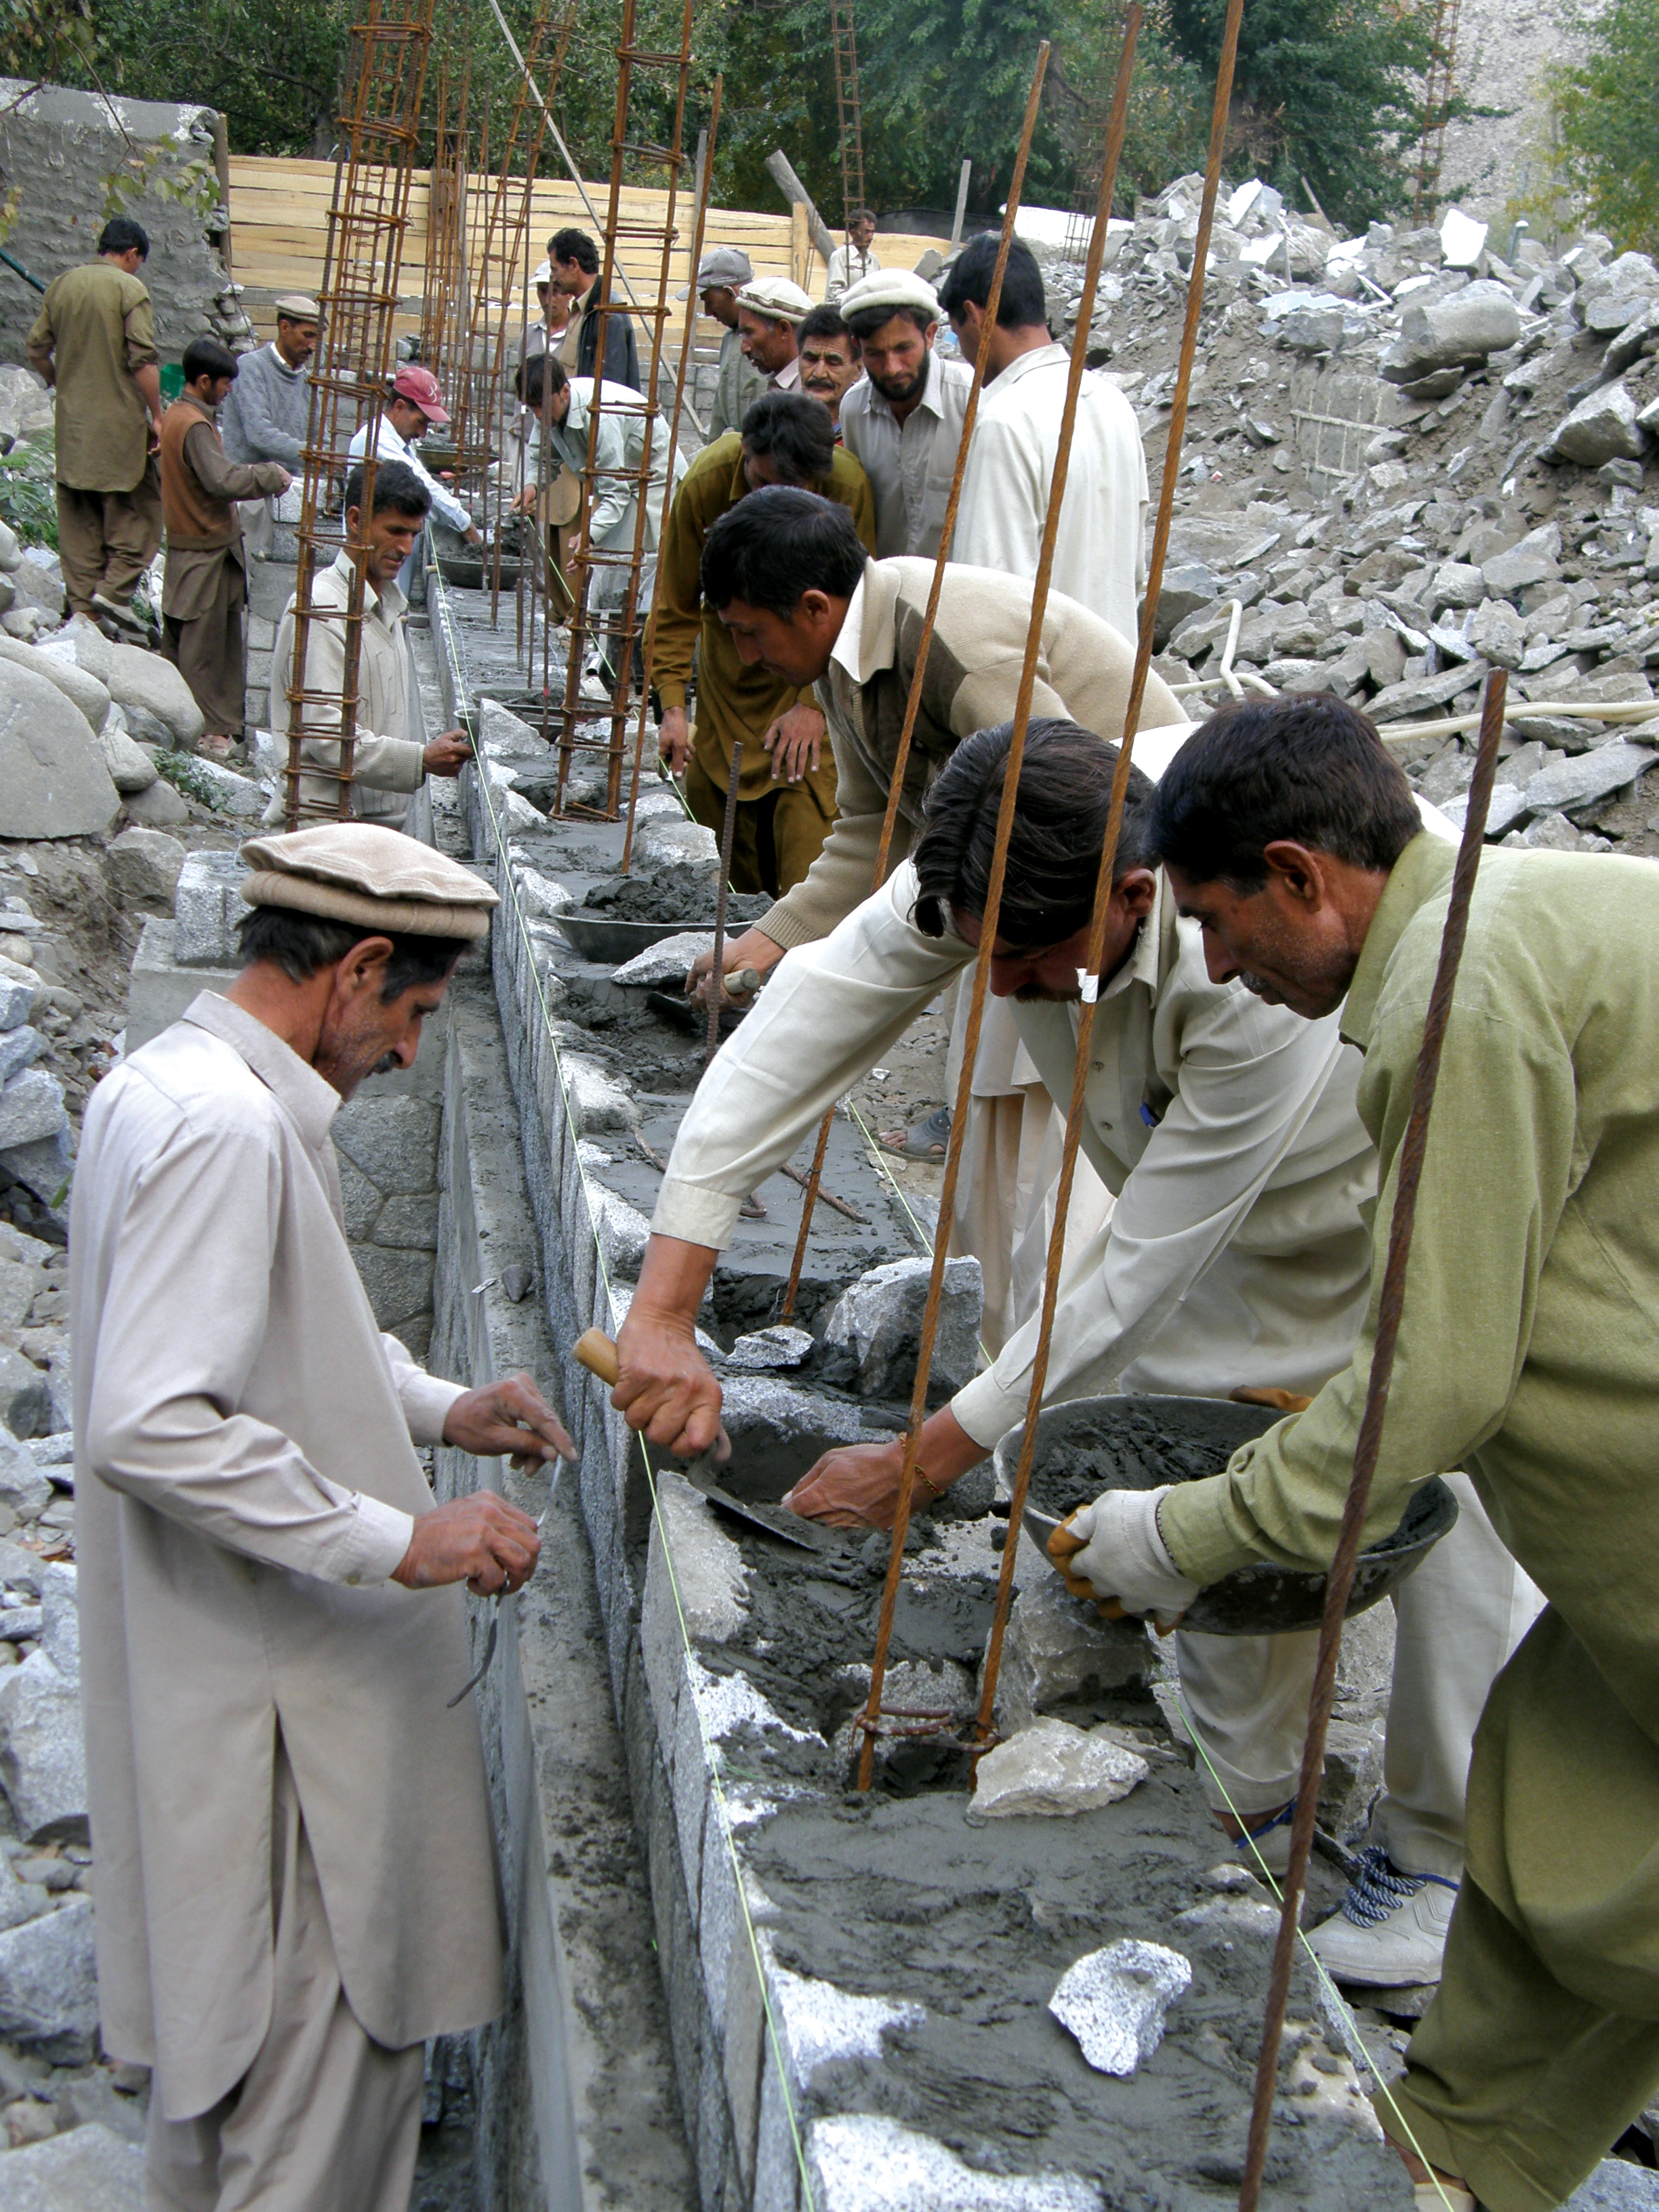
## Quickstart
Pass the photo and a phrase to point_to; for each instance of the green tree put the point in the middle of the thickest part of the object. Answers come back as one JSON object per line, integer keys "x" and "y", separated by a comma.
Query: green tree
{"x": 1327, "y": 89}
{"x": 1608, "y": 116}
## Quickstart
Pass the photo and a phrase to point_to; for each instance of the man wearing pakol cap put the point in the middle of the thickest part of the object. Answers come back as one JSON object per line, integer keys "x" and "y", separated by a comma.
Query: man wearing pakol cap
{"x": 851, "y": 264}
{"x": 297, "y": 1885}
{"x": 265, "y": 414}
{"x": 722, "y": 275}
{"x": 787, "y": 778}
{"x": 389, "y": 758}
{"x": 770, "y": 311}
{"x": 204, "y": 588}
{"x": 904, "y": 422}
{"x": 414, "y": 404}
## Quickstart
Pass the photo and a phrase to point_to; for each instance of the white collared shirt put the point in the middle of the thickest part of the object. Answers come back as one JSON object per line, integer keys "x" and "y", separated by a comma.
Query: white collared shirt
{"x": 910, "y": 464}
{"x": 389, "y": 446}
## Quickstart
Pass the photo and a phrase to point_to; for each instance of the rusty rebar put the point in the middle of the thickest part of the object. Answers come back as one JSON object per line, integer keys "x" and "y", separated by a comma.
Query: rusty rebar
{"x": 699, "y": 227}
{"x": 987, "y": 931}
{"x": 947, "y": 529}
{"x": 729, "y": 831}
{"x": 1390, "y": 1309}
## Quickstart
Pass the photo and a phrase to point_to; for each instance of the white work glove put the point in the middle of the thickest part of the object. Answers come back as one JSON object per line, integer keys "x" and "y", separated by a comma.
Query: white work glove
{"x": 1112, "y": 1551}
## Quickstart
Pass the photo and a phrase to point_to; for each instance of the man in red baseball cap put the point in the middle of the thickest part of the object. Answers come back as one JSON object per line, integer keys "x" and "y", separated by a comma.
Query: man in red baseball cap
{"x": 415, "y": 404}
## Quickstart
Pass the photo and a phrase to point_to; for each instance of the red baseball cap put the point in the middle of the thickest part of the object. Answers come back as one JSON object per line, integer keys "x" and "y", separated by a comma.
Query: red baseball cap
{"x": 420, "y": 386}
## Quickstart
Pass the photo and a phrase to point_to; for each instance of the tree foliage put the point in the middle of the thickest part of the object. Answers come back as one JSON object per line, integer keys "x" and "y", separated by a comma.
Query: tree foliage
{"x": 1607, "y": 119}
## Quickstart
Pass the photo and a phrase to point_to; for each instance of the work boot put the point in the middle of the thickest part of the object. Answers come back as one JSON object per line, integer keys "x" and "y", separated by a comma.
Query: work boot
{"x": 1391, "y": 1931}
{"x": 1268, "y": 1845}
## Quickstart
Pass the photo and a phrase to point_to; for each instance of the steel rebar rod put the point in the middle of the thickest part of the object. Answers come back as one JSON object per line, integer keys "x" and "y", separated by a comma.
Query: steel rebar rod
{"x": 1116, "y": 127}
{"x": 987, "y": 939}
{"x": 913, "y": 702}
{"x": 1389, "y": 1311}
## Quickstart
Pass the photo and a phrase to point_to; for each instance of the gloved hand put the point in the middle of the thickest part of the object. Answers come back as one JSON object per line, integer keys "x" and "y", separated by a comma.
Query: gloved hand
{"x": 1112, "y": 1551}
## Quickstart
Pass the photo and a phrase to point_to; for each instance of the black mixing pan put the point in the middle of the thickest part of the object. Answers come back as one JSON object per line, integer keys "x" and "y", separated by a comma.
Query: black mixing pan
{"x": 610, "y": 943}
{"x": 1095, "y": 1444}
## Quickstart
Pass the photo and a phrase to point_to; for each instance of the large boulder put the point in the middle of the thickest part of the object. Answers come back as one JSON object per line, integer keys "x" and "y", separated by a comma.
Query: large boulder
{"x": 54, "y": 782}
{"x": 154, "y": 686}
{"x": 132, "y": 768}
{"x": 1602, "y": 428}
{"x": 38, "y": 581}
{"x": 49, "y": 1984}
{"x": 59, "y": 667}
{"x": 1480, "y": 319}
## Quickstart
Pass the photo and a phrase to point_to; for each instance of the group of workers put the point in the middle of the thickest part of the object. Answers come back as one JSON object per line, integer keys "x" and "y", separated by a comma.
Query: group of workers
{"x": 254, "y": 1528}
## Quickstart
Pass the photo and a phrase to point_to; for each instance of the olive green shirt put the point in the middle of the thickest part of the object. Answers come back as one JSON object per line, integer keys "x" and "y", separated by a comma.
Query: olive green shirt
{"x": 734, "y": 702}
{"x": 1529, "y": 1352}
{"x": 93, "y": 329}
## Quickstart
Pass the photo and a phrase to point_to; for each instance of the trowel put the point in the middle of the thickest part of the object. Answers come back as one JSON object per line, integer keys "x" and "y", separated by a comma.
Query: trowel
{"x": 597, "y": 1354}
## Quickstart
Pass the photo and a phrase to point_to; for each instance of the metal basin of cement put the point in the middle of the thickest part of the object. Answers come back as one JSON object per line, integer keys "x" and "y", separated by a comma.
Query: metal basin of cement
{"x": 610, "y": 943}
{"x": 1095, "y": 1444}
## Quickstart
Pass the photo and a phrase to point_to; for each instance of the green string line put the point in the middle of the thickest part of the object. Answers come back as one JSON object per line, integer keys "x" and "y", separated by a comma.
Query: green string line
{"x": 1344, "y": 2010}
{"x": 710, "y": 1756}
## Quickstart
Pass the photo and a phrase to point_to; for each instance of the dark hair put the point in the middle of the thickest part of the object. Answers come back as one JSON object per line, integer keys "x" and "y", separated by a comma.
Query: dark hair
{"x": 534, "y": 379}
{"x": 1303, "y": 766}
{"x": 302, "y": 944}
{"x": 823, "y": 322}
{"x": 858, "y": 214}
{"x": 864, "y": 322}
{"x": 795, "y": 431}
{"x": 121, "y": 233}
{"x": 396, "y": 485}
{"x": 574, "y": 245}
{"x": 207, "y": 357}
{"x": 967, "y": 282}
{"x": 1058, "y": 836}
{"x": 777, "y": 544}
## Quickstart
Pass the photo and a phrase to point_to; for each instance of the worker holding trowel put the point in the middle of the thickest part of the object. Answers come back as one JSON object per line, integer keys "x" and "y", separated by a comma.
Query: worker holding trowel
{"x": 1236, "y": 1254}
{"x": 1526, "y": 1354}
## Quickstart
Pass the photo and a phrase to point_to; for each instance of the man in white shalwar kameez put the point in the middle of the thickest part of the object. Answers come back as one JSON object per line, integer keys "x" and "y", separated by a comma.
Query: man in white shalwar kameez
{"x": 296, "y": 1881}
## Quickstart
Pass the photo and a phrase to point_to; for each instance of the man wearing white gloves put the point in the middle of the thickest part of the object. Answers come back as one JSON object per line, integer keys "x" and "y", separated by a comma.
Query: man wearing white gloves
{"x": 1236, "y": 1255}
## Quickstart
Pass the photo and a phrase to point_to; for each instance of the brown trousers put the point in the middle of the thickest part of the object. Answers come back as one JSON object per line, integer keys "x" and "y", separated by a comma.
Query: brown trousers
{"x": 774, "y": 841}
{"x": 323, "y": 2120}
{"x": 106, "y": 539}
{"x": 208, "y": 651}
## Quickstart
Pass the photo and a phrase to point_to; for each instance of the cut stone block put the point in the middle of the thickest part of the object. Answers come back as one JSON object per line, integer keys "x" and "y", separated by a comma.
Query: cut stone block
{"x": 1114, "y": 2002}
{"x": 1057, "y": 1649}
{"x": 393, "y": 1142}
{"x": 147, "y": 864}
{"x": 209, "y": 907}
{"x": 1052, "y": 1767}
{"x": 665, "y": 963}
{"x": 31, "y": 1106}
{"x": 18, "y": 991}
{"x": 53, "y": 783}
{"x": 878, "y": 1320}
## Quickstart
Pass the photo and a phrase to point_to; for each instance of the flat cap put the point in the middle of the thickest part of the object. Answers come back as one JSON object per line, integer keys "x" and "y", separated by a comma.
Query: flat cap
{"x": 890, "y": 288}
{"x": 776, "y": 298}
{"x": 721, "y": 264}
{"x": 297, "y": 307}
{"x": 376, "y": 878}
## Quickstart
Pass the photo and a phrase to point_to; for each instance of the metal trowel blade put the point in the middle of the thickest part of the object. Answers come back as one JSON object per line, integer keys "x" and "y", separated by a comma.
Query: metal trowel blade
{"x": 771, "y": 1519}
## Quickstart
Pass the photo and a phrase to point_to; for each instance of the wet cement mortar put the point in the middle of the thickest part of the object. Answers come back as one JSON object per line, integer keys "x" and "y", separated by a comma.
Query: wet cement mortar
{"x": 899, "y": 1893}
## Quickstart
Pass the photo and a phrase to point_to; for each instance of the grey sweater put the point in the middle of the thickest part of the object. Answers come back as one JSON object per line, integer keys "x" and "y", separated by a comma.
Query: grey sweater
{"x": 262, "y": 418}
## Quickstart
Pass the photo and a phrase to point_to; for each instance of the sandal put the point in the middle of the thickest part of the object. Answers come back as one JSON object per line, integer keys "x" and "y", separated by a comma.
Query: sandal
{"x": 215, "y": 748}
{"x": 926, "y": 1140}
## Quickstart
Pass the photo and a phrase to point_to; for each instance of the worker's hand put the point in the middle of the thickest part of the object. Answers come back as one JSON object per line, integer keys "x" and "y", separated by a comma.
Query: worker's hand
{"x": 285, "y": 485}
{"x": 479, "y": 1540}
{"x": 674, "y": 739}
{"x": 794, "y": 741}
{"x": 1283, "y": 1402}
{"x": 449, "y": 754}
{"x": 510, "y": 1420}
{"x": 754, "y": 949}
{"x": 1112, "y": 1552}
{"x": 526, "y": 502}
{"x": 854, "y": 1487}
{"x": 472, "y": 535}
{"x": 666, "y": 1386}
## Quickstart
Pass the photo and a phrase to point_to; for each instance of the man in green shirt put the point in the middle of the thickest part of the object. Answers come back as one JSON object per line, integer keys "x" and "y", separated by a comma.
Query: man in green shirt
{"x": 95, "y": 341}
{"x": 1527, "y": 1355}
{"x": 787, "y": 779}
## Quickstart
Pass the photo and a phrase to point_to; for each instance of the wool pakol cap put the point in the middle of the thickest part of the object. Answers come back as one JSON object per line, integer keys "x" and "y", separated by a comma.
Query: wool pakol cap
{"x": 375, "y": 877}
{"x": 298, "y": 309}
{"x": 775, "y": 298}
{"x": 890, "y": 288}
{"x": 721, "y": 264}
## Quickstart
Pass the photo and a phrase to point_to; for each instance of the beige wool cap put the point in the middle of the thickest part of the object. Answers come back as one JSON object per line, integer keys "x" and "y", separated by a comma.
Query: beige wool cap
{"x": 890, "y": 288}
{"x": 297, "y": 307}
{"x": 359, "y": 872}
{"x": 776, "y": 298}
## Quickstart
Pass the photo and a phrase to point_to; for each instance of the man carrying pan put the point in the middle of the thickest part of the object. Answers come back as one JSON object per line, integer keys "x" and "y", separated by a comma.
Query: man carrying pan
{"x": 1526, "y": 1354}
{"x": 1238, "y": 1252}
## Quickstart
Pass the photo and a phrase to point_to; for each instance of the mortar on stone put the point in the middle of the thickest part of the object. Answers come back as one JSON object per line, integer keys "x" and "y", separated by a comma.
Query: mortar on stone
{"x": 1096, "y": 1444}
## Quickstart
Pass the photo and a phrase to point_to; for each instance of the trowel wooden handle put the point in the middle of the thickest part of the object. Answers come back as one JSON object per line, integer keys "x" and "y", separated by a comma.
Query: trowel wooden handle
{"x": 599, "y": 1355}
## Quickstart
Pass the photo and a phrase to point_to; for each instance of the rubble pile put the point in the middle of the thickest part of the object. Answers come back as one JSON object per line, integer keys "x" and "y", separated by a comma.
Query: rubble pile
{"x": 1408, "y": 460}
